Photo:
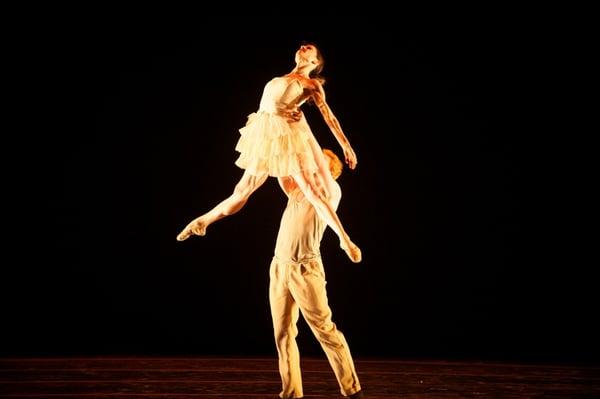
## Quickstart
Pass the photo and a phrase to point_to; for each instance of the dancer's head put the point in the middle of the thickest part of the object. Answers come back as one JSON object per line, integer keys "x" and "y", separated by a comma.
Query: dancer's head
{"x": 335, "y": 165}
{"x": 309, "y": 54}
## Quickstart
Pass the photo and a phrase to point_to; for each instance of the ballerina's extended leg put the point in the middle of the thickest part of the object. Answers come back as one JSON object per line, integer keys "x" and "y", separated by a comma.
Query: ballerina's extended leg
{"x": 327, "y": 212}
{"x": 353, "y": 252}
{"x": 233, "y": 204}
{"x": 195, "y": 227}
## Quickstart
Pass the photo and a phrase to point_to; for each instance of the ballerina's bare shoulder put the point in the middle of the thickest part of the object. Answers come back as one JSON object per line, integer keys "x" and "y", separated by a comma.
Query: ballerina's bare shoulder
{"x": 306, "y": 83}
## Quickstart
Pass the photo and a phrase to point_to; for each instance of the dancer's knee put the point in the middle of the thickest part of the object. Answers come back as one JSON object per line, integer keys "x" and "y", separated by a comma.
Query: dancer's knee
{"x": 324, "y": 326}
{"x": 312, "y": 192}
{"x": 247, "y": 185}
{"x": 285, "y": 333}
{"x": 327, "y": 333}
{"x": 242, "y": 190}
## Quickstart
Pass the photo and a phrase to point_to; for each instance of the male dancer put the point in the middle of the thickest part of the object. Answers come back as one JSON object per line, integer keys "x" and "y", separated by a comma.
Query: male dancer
{"x": 297, "y": 283}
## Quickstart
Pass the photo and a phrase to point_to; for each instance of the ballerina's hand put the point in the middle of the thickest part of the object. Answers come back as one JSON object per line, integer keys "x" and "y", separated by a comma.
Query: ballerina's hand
{"x": 350, "y": 157}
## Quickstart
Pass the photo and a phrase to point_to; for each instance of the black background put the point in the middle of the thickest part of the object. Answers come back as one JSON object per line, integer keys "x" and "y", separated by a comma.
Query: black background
{"x": 127, "y": 131}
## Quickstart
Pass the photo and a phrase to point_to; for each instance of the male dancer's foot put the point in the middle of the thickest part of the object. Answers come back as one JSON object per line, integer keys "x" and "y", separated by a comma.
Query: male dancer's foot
{"x": 357, "y": 395}
{"x": 196, "y": 227}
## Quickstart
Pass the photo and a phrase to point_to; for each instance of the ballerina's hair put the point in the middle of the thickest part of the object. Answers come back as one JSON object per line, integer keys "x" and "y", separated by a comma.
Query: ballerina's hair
{"x": 335, "y": 165}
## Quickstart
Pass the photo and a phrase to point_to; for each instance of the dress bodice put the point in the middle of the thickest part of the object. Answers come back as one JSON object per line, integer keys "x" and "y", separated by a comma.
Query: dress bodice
{"x": 276, "y": 139}
{"x": 282, "y": 93}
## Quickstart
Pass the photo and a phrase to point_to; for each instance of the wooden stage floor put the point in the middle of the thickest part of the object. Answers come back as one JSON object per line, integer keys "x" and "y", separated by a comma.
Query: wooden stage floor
{"x": 257, "y": 378}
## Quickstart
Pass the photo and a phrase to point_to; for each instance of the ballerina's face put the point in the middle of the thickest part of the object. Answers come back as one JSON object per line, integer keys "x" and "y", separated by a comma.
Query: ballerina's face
{"x": 307, "y": 53}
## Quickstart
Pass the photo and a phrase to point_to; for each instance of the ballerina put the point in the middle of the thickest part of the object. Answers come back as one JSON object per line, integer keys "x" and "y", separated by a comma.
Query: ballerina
{"x": 277, "y": 141}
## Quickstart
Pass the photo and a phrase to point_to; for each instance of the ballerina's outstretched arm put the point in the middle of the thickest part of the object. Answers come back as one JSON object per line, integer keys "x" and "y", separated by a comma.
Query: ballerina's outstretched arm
{"x": 318, "y": 96}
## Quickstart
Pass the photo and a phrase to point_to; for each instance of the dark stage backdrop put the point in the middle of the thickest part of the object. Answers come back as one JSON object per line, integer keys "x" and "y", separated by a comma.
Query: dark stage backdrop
{"x": 129, "y": 131}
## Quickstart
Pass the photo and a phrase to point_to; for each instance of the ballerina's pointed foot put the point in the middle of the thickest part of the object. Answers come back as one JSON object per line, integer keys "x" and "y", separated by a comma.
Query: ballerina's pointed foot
{"x": 353, "y": 252}
{"x": 196, "y": 227}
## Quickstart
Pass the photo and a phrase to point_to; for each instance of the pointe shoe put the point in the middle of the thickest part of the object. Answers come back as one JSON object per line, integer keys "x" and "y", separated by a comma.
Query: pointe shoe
{"x": 353, "y": 253}
{"x": 197, "y": 227}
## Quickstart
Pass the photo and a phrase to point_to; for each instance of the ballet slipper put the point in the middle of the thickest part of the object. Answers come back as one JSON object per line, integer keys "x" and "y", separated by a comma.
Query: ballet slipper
{"x": 197, "y": 227}
{"x": 353, "y": 252}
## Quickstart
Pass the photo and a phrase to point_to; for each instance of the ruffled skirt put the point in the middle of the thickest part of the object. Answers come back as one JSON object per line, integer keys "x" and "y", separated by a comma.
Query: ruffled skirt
{"x": 272, "y": 145}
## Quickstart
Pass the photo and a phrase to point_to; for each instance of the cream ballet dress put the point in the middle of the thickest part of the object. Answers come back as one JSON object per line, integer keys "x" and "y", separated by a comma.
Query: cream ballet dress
{"x": 271, "y": 144}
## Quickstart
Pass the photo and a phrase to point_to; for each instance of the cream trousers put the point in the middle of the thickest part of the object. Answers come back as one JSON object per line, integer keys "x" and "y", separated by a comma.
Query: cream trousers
{"x": 294, "y": 287}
